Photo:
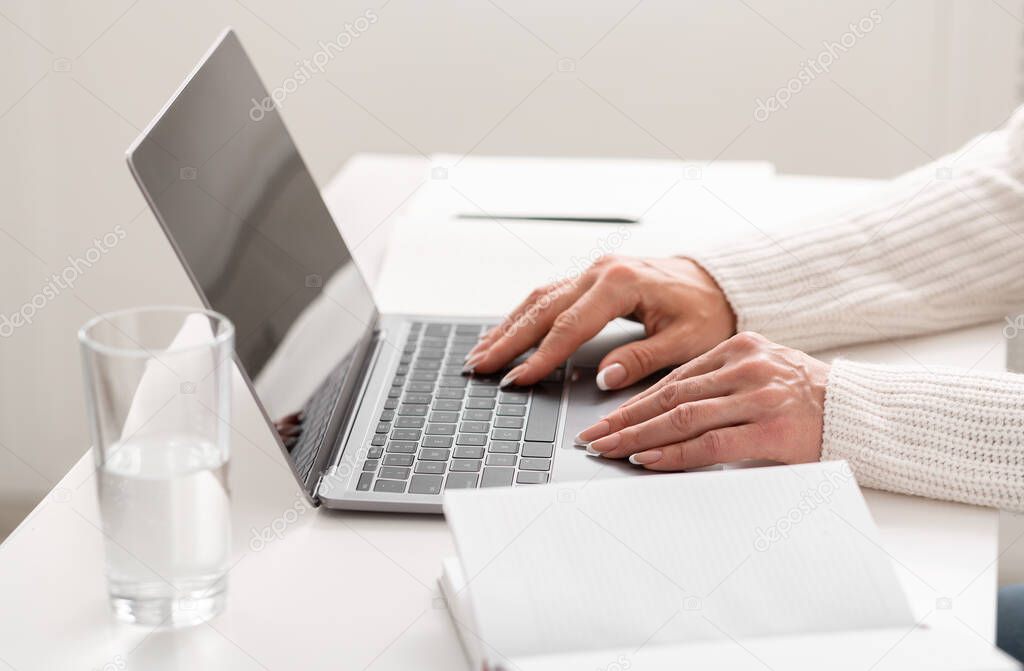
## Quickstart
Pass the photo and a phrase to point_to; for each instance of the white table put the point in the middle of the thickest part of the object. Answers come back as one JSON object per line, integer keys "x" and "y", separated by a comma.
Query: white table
{"x": 355, "y": 591}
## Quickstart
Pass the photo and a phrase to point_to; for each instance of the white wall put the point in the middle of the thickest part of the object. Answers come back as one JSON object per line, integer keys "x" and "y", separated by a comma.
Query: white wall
{"x": 656, "y": 78}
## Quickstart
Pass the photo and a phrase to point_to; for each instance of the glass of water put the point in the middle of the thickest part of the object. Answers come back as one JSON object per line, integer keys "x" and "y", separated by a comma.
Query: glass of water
{"x": 158, "y": 391}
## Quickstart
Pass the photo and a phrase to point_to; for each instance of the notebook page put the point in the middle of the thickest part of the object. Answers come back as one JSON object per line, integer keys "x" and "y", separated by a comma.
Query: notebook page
{"x": 684, "y": 557}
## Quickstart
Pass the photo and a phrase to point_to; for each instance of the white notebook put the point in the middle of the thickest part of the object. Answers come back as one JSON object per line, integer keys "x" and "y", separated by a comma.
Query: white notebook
{"x": 690, "y": 566}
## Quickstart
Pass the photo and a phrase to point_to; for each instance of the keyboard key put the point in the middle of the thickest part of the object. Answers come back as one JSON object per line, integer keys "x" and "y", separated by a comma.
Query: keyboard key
{"x": 430, "y": 353}
{"x": 399, "y": 460}
{"x": 430, "y": 342}
{"x": 398, "y": 381}
{"x": 469, "y": 452}
{"x": 437, "y": 441}
{"x": 437, "y": 330}
{"x": 435, "y": 467}
{"x": 531, "y": 477}
{"x": 461, "y": 481}
{"x": 420, "y": 387}
{"x": 463, "y": 465}
{"x": 477, "y": 415}
{"x": 449, "y": 417}
{"x": 378, "y": 440}
{"x": 472, "y": 439}
{"x": 508, "y": 422}
{"x": 512, "y": 410}
{"x": 375, "y": 452}
{"x": 394, "y": 392}
{"x": 452, "y": 369}
{"x": 424, "y": 376}
{"x": 427, "y": 364}
{"x": 503, "y": 446}
{"x": 542, "y": 421}
{"x": 507, "y": 434}
{"x": 394, "y": 473}
{"x": 412, "y": 410}
{"x": 387, "y": 416}
{"x": 425, "y": 484}
{"x": 434, "y": 454}
{"x": 417, "y": 399}
{"x": 513, "y": 397}
{"x": 483, "y": 392}
{"x": 497, "y": 477}
{"x": 390, "y": 486}
{"x": 383, "y": 427}
{"x": 440, "y": 429}
{"x": 411, "y": 422}
{"x": 370, "y": 465}
{"x": 447, "y": 405}
{"x": 364, "y": 482}
{"x": 451, "y": 392}
{"x": 467, "y": 329}
{"x": 475, "y": 427}
{"x": 542, "y": 450}
{"x": 401, "y": 370}
{"x": 406, "y": 434}
{"x": 402, "y": 446}
{"x": 480, "y": 403}
{"x": 526, "y": 464}
{"x": 451, "y": 381}
{"x": 391, "y": 404}
{"x": 501, "y": 460}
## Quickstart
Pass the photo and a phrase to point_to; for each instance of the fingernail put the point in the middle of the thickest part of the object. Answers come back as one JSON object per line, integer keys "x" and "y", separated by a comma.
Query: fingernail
{"x": 470, "y": 365}
{"x": 611, "y": 376}
{"x": 608, "y": 443}
{"x": 512, "y": 375}
{"x": 644, "y": 458}
{"x": 592, "y": 452}
{"x": 592, "y": 433}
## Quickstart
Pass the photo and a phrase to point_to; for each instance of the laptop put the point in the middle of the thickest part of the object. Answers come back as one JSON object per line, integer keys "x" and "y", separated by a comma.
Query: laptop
{"x": 382, "y": 416}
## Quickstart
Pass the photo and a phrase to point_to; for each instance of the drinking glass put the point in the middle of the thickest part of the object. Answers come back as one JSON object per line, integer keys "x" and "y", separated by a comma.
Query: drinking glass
{"x": 158, "y": 393}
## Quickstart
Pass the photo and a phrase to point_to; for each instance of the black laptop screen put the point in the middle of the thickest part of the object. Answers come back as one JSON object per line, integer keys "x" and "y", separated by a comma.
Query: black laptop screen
{"x": 226, "y": 180}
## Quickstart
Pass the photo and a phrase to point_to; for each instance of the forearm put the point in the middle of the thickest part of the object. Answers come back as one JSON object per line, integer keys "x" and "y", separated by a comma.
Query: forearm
{"x": 946, "y": 434}
{"x": 931, "y": 254}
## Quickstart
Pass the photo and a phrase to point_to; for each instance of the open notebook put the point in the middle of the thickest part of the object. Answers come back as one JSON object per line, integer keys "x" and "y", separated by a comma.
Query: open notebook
{"x": 776, "y": 568}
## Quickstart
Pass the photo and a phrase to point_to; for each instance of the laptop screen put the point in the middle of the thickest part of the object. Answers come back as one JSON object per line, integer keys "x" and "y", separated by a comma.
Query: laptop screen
{"x": 227, "y": 182}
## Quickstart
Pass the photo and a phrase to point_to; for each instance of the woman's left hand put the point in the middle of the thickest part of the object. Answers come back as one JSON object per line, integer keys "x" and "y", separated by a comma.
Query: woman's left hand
{"x": 748, "y": 398}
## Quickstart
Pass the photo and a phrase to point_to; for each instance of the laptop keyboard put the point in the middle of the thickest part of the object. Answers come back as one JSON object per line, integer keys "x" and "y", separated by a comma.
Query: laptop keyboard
{"x": 440, "y": 429}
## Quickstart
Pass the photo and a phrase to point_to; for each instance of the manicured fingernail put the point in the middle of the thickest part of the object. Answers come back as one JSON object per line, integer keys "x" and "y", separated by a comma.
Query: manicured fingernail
{"x": 611, "y": 376}
{"x": 471, "y": 363}
{"x": 592, "y": 452}
{"x": 512, "y": 375}
{"x": 644, "y": 458}
{"x": 607, "y": 444}
{"x": 592, "y": 433}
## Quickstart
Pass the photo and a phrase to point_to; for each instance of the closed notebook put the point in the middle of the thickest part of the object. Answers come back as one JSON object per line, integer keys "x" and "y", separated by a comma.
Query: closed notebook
{"x": 661, "y": 569}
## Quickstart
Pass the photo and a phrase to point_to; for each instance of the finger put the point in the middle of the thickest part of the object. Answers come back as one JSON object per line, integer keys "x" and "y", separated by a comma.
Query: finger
{"x": 633, "y": 362}
{"x": 719, "y": 446}
{"x": 574, "y": 326}
{"x": 705, "y": 363}
{"x": 529, "y": 326}
{"x": 679, "y": 424}
{"x": 508, "y": 322}
{"x": 669, "y": 396}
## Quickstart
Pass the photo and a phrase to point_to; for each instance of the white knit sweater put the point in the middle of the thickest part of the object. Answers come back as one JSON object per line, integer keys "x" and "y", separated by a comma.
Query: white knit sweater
{"x": 942, "y": 248}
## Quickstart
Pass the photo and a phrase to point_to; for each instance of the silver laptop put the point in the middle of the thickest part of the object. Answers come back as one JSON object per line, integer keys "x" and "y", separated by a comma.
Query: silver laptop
{"x": 381, "y": 417}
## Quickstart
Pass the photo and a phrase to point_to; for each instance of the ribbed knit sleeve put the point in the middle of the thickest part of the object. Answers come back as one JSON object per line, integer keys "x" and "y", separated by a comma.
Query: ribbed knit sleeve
{"x": 942, "y": 247}
{"x": 946, "y": 434}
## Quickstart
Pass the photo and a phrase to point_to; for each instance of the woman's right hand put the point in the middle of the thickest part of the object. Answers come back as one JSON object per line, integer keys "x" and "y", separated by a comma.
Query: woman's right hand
{"x": 683, "y": 310}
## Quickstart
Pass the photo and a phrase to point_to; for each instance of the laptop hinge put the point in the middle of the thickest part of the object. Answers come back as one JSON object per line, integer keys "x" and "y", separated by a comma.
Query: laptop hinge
{"x": 344, "y": 414}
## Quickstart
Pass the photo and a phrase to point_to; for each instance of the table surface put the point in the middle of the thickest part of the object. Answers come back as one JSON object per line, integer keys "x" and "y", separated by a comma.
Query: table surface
{"x": 314, "y": 589}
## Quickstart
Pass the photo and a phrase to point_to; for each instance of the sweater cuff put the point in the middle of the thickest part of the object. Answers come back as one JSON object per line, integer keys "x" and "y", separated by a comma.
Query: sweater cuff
{"x": 945, "y": 434}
